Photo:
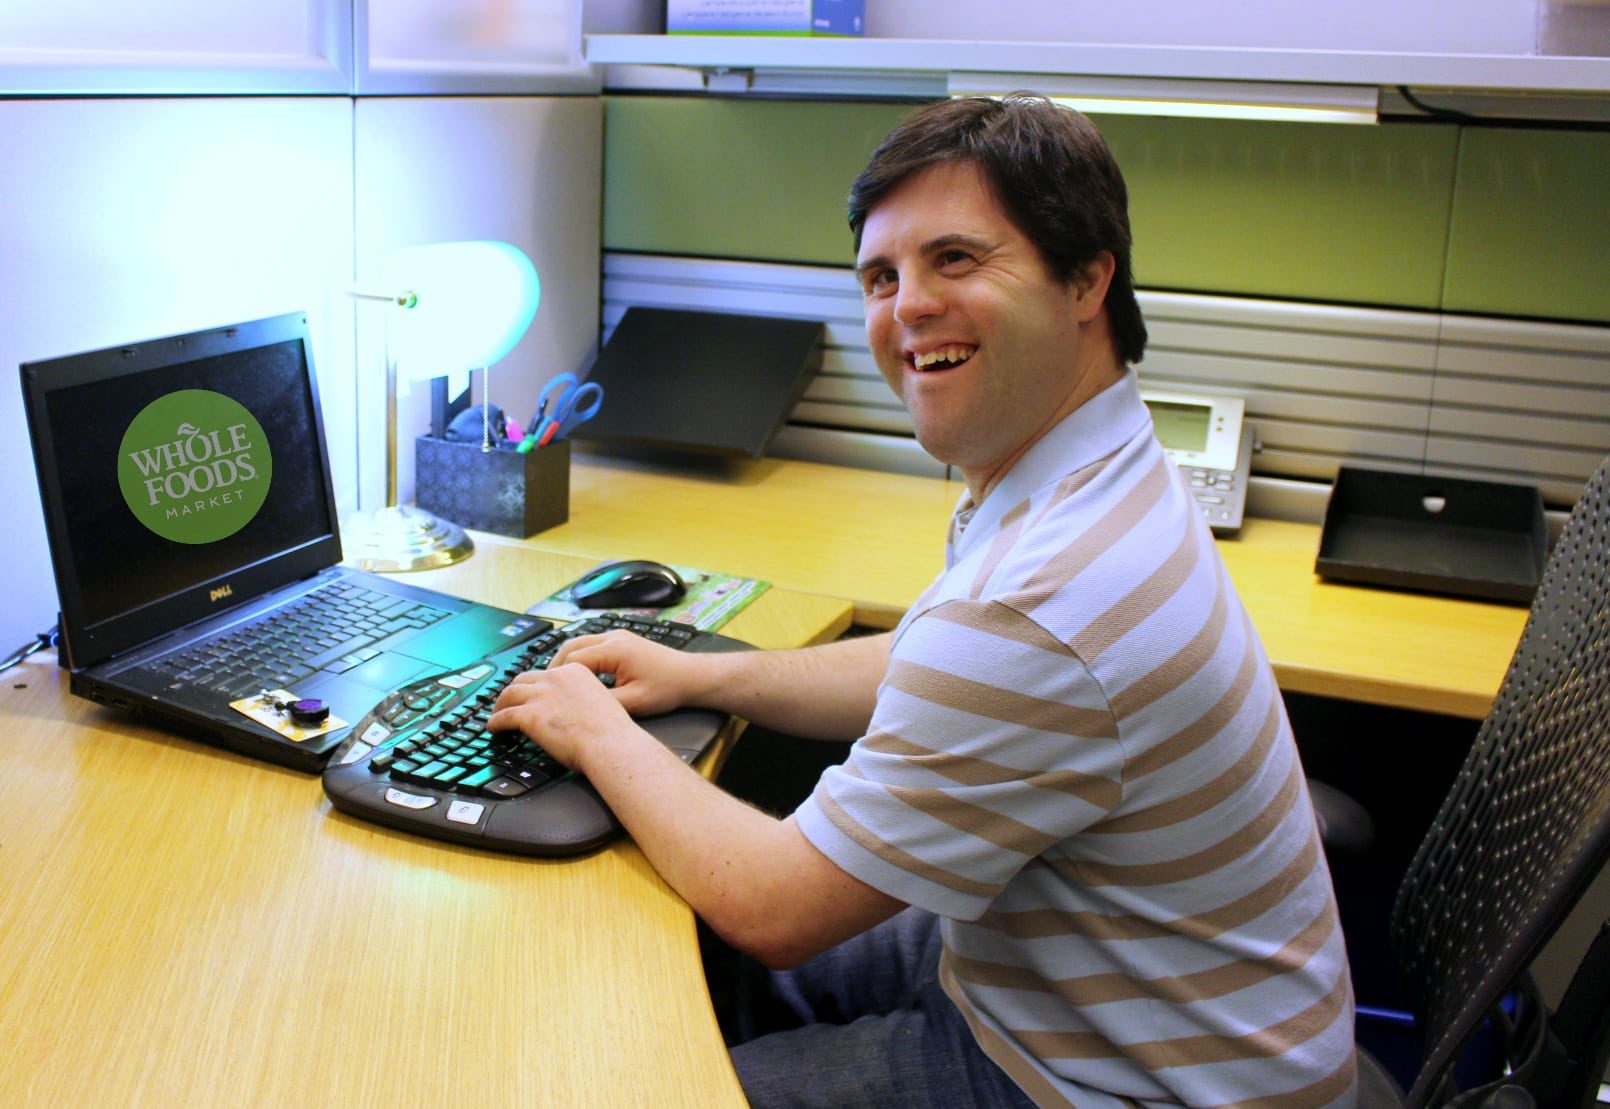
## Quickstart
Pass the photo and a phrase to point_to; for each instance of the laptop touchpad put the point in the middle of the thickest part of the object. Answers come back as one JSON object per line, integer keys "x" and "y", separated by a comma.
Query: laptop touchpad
{"x": 388, "y": 670}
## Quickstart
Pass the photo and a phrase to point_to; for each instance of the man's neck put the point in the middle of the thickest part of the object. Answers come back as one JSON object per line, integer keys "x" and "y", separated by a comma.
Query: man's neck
{"x": 1096, "y": 380}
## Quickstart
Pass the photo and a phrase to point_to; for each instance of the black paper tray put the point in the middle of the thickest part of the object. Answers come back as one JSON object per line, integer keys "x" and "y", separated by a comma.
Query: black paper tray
{"x": 1468, "y": 538}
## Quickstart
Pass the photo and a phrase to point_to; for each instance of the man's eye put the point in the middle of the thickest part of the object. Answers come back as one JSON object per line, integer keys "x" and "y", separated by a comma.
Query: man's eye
{"x": 950, "y": 258}
{"x": 880, "y": 282}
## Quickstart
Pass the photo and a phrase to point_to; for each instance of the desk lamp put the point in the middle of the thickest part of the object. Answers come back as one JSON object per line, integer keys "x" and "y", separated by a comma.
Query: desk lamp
{"x": 451, "y": 307}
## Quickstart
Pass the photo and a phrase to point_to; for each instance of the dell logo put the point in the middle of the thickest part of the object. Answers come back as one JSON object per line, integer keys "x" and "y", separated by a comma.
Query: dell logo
{"x": 220, "y": 593}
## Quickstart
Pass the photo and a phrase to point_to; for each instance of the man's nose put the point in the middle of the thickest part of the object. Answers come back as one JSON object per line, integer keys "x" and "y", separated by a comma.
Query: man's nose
{"x": 918, "y": 298}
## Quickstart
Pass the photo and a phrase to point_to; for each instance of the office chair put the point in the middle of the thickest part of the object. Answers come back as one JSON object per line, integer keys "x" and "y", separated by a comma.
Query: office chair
{"x": 1520, "y": 836}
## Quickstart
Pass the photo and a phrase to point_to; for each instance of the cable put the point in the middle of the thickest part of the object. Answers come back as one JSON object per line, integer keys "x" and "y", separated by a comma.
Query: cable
{"x": 40, "y": 642}
{"x": 1434, "y": 112}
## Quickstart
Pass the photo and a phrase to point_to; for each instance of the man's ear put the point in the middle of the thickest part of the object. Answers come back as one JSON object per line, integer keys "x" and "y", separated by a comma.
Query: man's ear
{"x": 1090, "y": 286}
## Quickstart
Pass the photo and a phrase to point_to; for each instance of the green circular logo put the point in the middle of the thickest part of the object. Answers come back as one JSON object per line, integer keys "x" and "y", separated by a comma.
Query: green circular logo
{"x": 194, "y": 466}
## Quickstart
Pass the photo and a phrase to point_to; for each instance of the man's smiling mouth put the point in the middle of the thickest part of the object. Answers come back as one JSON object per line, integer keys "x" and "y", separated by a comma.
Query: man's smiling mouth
{"x": 942, "y": 358}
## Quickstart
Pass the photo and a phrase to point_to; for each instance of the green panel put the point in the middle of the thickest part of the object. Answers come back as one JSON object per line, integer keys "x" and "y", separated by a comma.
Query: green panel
{"x": 1304, "y": 211}
{"x": 1531, "y": 225}
{"x": 765, "y": 180}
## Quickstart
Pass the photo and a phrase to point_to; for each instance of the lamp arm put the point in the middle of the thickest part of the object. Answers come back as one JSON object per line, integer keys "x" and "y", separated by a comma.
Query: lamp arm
{"x": 391, "y": 416}
{"x": 405, "y": 299}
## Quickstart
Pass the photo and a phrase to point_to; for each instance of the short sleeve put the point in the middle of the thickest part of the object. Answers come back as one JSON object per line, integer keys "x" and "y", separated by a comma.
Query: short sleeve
{"x": 990, "y": 743}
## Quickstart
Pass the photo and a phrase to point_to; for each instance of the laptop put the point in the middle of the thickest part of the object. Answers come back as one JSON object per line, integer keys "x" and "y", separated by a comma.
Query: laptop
{"x": 186, "y": 491}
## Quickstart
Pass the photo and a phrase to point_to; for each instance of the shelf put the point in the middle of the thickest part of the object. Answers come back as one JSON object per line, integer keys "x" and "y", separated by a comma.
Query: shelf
{"x": 949, "y": 62}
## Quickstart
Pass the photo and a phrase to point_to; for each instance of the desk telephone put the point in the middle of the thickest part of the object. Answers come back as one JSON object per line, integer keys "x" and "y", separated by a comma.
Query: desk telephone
{"x": 1212, "y": 445}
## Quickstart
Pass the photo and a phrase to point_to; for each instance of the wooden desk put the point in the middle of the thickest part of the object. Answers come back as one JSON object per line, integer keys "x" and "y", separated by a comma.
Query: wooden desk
{"x": 877, "y": 540}
{"x": 182, "y": 926}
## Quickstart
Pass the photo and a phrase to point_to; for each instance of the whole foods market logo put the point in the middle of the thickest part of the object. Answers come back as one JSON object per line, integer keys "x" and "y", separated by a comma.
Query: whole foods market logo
{"x": 194, "y": 466}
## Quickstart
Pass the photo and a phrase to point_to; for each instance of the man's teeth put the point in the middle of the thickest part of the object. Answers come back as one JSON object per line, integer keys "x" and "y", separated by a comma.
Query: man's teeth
{"x": 952, "y": 355}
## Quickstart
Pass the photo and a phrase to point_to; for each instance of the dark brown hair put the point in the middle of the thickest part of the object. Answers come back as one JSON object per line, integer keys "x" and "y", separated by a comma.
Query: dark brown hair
{"x": 1049, "y": 168}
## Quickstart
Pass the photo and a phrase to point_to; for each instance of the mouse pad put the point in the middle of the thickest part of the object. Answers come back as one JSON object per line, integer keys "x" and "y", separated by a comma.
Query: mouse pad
{"x": 711, "y": 600}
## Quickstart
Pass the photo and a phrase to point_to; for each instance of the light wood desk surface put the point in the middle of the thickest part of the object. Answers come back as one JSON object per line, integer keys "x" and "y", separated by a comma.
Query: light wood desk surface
{"x": 181, "y": 926}
{"x": 877, "y": 540}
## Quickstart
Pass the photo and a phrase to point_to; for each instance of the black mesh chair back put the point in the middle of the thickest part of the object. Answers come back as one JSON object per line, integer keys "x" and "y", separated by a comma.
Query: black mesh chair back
{"x": 1526, "y": 826}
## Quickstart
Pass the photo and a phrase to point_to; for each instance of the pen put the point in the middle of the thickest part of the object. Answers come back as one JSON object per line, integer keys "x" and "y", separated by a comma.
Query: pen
{"x": 530, "y": 439}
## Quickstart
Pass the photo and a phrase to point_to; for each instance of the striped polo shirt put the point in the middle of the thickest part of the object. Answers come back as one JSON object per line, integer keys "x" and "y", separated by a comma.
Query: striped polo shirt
{"x": 1080, "y": 760}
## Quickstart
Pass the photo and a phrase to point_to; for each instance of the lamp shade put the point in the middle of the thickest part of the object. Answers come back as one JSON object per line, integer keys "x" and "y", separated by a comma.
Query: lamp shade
{"x": 463, "y": 305}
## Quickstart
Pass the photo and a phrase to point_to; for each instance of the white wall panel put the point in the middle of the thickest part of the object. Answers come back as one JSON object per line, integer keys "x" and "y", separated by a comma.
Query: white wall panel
{"x": 523, "y": 170}
{"x": 480, "y": 46}
{"x": 123, "y": 220}
{"x": 78, "y": 47}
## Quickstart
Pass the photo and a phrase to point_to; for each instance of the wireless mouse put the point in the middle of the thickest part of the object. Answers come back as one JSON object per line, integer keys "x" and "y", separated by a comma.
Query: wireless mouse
{"x": 636, "y": 583}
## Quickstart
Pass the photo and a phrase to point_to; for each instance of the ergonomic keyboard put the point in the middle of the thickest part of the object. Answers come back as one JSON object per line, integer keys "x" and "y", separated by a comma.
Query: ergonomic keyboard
{"x": 423, "y": 761}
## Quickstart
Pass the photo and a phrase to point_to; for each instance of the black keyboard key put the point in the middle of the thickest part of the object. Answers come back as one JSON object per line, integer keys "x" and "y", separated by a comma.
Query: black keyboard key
{"x": 533, "y": 776}
{"x": 505, "y": 788}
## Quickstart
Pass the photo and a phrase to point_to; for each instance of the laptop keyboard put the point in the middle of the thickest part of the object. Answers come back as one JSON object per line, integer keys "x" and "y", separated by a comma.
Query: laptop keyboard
{"x": 424, "y": 760}
{"x": 334, "y": 629}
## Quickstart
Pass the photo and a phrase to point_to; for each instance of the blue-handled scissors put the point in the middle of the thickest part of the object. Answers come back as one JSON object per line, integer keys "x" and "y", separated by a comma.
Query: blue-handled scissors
{"x": 576, "y": 404}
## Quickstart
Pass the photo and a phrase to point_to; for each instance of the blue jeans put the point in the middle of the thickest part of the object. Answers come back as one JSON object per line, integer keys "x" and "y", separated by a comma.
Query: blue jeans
{"x": 879, "y": 1031}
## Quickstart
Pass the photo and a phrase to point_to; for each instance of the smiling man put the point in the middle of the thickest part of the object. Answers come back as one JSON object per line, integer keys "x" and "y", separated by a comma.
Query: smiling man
{"x": 1070, "y": 859}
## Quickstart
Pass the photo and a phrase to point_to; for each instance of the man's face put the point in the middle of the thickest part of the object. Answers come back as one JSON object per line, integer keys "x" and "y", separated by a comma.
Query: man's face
{"x": 971, "y": 331}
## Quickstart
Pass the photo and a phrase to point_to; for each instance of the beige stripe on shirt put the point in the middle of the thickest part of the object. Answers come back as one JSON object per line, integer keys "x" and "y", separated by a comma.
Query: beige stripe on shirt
{"x": 969, "y": 771}
{"x": 1268, "y": 1042}
{"x": 1209, "y": 860}
{"x": 1003, "y": 831}
{"x": 1151, "y": 594}
{"x": 1178, "y": 668}
{"x": 1326, "y": 1091}
{"x": 1202, "y": 730}
{"x": 1206, "y": 925}
{"x": 1101, "y": 536}
{"x": 1180, "y": 989}
{"x": 996, "y": 703}
{"x": 1206, "y": 796}
{"x": 895, "y": 856}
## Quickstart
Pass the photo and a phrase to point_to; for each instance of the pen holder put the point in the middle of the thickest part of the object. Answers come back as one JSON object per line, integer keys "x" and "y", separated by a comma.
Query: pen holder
{"x": 501, "y": 491}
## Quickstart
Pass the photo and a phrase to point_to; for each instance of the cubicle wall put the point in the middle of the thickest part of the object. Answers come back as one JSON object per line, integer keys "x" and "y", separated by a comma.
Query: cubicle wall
{"x": 1324, "y": 384}
{"x": 1406, "y": 296}
{"x": 128, "y": 218}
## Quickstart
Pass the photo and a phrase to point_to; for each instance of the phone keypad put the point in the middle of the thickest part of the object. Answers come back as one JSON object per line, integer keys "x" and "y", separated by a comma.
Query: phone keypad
{"x": 1219, "y": 495}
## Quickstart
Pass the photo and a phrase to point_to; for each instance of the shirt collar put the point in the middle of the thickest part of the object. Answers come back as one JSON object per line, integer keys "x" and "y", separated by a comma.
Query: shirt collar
{"x": 1091, "y": 432}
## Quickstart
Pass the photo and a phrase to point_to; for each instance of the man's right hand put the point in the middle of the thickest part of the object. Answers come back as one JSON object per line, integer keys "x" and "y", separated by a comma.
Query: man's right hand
{"x": 649, "y": 678}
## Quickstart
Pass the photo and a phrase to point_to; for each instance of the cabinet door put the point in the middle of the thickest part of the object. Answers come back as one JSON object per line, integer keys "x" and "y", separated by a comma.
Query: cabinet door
{"x": 91, "y": 47}
{"x": 470, "y": 46}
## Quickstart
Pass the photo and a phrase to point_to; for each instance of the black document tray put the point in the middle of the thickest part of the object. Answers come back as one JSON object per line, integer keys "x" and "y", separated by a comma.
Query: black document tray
{"x": 1488, "y": 539}
{"x": 707, "y": 382}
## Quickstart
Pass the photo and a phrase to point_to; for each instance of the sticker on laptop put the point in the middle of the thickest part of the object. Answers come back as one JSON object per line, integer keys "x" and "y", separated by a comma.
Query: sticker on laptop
{"x": 298, "y": 719}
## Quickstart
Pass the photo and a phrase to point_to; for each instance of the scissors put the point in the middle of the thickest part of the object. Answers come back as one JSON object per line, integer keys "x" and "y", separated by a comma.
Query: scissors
{"x": 576, "y": 404}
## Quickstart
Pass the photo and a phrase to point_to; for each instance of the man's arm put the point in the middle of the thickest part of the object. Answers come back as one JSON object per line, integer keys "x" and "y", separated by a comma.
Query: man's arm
{"x": 756, "y": 880}
{"x": 825, "y": 692}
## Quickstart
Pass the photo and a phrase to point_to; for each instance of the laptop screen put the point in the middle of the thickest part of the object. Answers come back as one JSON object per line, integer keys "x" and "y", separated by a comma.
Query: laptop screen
{"x": 179, "y": 476}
